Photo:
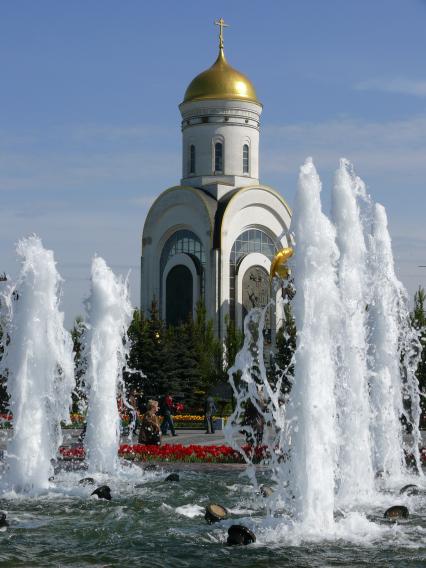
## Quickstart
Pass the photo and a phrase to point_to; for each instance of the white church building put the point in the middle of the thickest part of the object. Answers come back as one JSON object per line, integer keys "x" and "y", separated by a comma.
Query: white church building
{"x": 213, "y": 236}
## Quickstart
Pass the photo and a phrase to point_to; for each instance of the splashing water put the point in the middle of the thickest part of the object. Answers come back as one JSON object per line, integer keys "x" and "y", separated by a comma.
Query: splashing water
{"x": 109, "y": 316}
{"x": 40, "y": 368}
{"x": 312, "y": 410}
{"x": 262, "y": 424}
{"x": 388, "y": 323}
{"x": 355, "y": 469}
{"x": 355, "y": 361}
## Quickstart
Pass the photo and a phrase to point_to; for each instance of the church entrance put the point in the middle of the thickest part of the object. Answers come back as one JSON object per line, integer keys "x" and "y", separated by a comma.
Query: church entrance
{"x": 179, "y": 295}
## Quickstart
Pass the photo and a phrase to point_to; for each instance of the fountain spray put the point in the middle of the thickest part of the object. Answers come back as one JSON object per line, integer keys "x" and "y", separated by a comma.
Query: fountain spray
{"x": 385, "y": 381}
{"x": 39, "y": 364}
{"x": 317, "y": 307}
{"x": 355, "y": 470}
{"x": 109, "y": 316}
{"x": 355, "y": 363}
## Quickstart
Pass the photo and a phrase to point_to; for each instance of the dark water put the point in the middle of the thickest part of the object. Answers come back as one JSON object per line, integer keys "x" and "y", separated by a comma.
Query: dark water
{"x": 153, "y": 526}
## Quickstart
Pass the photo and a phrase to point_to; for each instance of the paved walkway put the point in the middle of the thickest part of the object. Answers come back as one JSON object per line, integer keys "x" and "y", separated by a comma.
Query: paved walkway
{"x": 184, "y": 437}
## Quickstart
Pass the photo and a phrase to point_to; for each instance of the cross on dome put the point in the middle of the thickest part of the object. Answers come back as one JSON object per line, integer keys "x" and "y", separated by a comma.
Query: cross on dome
{"x": 221, "y": 24}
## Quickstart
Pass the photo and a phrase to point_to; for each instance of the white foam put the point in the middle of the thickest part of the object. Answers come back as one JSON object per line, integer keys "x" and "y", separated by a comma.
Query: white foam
{"x": 191, "y": 511}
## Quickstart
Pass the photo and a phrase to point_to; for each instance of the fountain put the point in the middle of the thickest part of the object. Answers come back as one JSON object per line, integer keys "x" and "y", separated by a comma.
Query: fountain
{"x": 39, "y": 364}
{"x": 355, "y": 468}
{"x": 316, "y": 490}
{"x": 354, "y": 362}
{"x": 109, "y": 316}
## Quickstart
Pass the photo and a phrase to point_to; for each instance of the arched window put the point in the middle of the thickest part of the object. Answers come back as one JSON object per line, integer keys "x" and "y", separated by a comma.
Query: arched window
{"x": 246, "y": 156}
{"x": 192, "y": 159}
{"x": 218, "y": 157}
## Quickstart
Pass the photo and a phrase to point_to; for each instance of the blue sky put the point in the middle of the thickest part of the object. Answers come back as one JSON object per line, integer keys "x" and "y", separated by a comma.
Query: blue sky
{"x": 90, "y": 127}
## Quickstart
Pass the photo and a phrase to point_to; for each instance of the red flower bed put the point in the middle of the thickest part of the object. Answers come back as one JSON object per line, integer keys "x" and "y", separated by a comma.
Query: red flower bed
{"x": 77, "y": 453}
{"x": 175, "y": 452}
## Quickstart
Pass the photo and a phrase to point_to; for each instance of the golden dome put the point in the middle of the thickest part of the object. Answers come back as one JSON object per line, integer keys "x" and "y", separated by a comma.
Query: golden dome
{"x": 221, "y": 81}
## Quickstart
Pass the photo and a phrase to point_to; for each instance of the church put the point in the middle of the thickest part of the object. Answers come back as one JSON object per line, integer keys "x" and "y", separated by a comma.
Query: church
{"x": 213, "y": 236}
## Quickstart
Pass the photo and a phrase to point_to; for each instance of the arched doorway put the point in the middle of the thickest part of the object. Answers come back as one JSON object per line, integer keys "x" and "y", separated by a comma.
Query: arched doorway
{"x": 179, "y": 295}
{"x": 181, "y": 242}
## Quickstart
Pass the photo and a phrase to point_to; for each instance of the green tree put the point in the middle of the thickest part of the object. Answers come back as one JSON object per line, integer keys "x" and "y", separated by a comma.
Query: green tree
{"x": 283, "y": 364}
{"x": 234, "y": 340}
{"x": 138, "y": 335}
{"x": 147, "y": 359}
{"x": 208, "y": 349}
{"x": 80, "y": 364}
{"x": 4, "y": 396}
{"x": 418, "y": 321}
{"x": 184, "y": 375}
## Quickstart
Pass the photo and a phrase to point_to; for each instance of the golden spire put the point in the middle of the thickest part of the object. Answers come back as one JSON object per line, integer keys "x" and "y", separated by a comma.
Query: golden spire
{"x": 221, "y": 24}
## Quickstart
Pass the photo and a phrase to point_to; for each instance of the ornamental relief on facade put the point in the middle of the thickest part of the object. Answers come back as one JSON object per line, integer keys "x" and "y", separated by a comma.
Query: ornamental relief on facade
{"x": 255, "y": 291}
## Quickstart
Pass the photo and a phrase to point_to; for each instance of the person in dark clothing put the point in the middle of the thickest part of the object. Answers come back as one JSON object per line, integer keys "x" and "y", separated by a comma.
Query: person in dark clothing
{"x": 166, "y": 409}
{"x": 209, "y": 412}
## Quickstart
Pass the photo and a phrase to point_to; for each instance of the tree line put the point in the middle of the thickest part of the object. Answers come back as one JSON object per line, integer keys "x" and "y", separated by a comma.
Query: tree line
{"x": 189, "y": 361}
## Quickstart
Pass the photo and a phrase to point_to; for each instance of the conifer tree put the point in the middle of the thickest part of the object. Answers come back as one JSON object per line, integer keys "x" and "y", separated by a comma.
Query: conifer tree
{"x": 4, "y": 396}
{"x": 208, "y": 349}
{"x": 285, "y": 348}
{"x": 418, "y": 320}
{"x": 148, "y": 354}
{"x": 184, "y": 373}
{"x": 233, "y": 342}
{"x": 80, "y": 363}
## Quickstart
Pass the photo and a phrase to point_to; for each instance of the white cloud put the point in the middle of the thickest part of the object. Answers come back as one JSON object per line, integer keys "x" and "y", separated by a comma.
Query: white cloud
{"x": 394, "y": 146}
{"x": 413, "y": 87}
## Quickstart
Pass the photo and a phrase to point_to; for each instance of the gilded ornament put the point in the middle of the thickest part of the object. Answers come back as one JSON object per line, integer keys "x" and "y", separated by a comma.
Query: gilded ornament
{"x": 278, "y": 266}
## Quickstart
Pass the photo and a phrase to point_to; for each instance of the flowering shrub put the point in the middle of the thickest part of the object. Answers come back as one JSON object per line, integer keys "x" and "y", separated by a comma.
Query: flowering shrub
{"x": 188, "y": 418}
{"x": 177, "y": 452}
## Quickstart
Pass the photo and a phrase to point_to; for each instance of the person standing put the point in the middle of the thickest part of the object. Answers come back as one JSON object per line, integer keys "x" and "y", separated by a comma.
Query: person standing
{"x": 209, "y": 412}
{"x": 166, "y": 410}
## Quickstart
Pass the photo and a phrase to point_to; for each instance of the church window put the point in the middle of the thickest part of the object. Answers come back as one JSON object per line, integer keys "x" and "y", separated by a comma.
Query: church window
{"x": 246, "y": 154}
{"x": 218, "y": 157}
{"x": 192, "y": 159}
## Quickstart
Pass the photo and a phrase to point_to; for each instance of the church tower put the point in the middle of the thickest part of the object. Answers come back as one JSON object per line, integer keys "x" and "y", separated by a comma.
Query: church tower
{"x": 213, "y": 236}
{"x": 220, "y": 129}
